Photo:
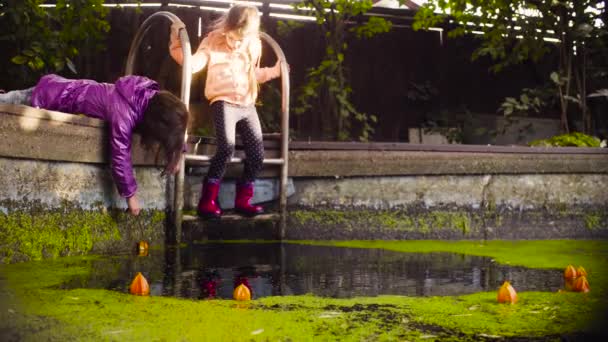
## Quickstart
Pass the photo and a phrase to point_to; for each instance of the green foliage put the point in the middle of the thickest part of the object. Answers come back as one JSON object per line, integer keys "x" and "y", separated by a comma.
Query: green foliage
{"x": 515, "y": 31}
{"x": 38, "y": 40}
{"x": 326, "y": 89}
{"x": 531, "y": 100}
{"x": 571, "y": 139}
{"x": 269, "y": 106}
{"x": 528, "y": 101}
{"x": 284, "y": 28}
{"x": 372, "y": 27}
{"x": 510, "y": 36}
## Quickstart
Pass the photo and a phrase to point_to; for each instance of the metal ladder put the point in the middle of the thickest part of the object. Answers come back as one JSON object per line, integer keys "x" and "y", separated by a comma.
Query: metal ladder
{"x": 178, "y": 193}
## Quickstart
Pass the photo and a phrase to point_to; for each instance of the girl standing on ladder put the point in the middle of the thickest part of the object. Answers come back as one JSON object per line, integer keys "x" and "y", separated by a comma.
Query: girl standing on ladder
{"x": 231, "y": 52}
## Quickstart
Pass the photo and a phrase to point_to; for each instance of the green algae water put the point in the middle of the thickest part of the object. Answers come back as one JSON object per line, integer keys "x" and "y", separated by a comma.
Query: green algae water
{"x": 354, "y": 291}
{"x": 212, "y": 270}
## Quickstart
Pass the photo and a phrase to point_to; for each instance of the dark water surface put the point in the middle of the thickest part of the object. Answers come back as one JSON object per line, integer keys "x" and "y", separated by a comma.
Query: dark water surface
{"x": 272, "y": 269}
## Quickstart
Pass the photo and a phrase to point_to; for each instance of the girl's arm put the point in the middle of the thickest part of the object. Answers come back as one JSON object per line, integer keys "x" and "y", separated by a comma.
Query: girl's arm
{"x": 200, "y": 57}
{"x": 121, "y": 165}
{"x": 263, "y": 74}
{"x": 266, "y": 74}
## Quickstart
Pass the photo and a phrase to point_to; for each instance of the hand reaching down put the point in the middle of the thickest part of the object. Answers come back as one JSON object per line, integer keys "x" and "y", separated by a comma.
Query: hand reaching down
{"x": 133, "y": 204}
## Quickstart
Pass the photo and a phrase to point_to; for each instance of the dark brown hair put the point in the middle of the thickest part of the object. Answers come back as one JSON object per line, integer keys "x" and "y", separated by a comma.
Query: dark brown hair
{"x": 164, "y": 123}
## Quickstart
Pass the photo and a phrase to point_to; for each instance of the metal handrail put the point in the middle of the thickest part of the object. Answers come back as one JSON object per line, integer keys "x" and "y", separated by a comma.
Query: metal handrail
{"x": 284, "y": 127}
{"x": 178, "y": 198}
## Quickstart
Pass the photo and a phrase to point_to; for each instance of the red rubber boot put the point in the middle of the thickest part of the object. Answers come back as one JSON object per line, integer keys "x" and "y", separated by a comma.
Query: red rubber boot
{"x": 244, "y": 193}
{"x": 208, "y": 206}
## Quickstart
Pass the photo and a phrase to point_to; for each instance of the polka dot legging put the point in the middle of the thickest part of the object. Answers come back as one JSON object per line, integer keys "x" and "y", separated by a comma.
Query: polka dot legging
{"x": 230, "y": 119}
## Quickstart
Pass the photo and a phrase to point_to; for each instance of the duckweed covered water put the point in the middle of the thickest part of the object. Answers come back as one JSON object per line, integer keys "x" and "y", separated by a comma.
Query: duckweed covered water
{"x": 212, "y": 270}
{"x": 85, "y": 299}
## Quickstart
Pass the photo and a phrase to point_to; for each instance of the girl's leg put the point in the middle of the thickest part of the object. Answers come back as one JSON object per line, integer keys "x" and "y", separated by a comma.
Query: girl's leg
{"x": 224, "y": 121}
{"x": 19, "y": 97}
{"x": 251, "y": 132}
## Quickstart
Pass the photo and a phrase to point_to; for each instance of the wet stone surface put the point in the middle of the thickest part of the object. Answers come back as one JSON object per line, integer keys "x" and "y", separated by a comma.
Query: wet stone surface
{"x": 213, "y": 270}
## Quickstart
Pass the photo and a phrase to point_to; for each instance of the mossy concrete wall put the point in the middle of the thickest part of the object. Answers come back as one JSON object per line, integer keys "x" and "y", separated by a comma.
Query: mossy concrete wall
{"x": 57, "y": 196}
{"x": 454, "y": 207}
{"x": 50, "y": 209}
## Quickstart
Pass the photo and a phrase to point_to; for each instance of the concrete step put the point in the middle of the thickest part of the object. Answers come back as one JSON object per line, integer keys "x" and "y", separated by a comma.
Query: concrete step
{"x": 231, "y": 226}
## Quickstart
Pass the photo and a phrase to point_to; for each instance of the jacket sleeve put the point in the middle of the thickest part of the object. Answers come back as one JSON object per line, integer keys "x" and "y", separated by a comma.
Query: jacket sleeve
{"x": 120, "y": 151}
{"x": 200, "y": 57}
{"x": 263, "y": 75}
{"x": 266, "y": 74}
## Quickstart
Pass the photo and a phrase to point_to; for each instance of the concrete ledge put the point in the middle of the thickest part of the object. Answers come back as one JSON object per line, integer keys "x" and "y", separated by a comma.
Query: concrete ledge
{"x": 28, "y": 133}
{"x": 32, "y": 133}
{"x": 385, "y": 163}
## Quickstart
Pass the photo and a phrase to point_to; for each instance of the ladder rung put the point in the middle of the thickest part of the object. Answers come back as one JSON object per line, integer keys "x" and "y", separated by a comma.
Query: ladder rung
{"x": 233, "y": 160}
{"x": 272, "y": 136}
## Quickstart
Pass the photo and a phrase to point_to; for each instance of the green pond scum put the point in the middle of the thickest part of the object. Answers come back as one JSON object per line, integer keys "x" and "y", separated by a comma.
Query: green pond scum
{"x": 33, "y": 307}
{"x": 39, "y": 233}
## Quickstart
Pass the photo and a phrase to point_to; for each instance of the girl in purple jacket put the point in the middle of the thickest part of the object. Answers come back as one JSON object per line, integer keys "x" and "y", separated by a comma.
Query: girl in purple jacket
{"x": 133, "y": 103}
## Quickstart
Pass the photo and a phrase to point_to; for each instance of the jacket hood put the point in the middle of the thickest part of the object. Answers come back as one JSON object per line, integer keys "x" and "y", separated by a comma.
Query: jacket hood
{"x": 137, "y": 92}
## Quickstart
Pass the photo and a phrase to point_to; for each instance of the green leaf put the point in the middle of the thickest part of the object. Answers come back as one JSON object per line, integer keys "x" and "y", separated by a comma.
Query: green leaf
{"x": 38, "y": 63}
{"x": 19, "y": 59}
{"x": 29, "y": 53}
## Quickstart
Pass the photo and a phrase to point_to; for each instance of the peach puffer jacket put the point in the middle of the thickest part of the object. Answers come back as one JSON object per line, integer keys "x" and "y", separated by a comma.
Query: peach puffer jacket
{"x": 227, "y": 68}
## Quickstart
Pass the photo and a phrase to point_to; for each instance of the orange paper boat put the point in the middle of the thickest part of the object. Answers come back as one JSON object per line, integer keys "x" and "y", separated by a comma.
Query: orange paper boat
{"x": 139, "y": 286}
{"x": 507, "y": 294}
{"x": 242, "y": 293}
{"x": 581, "y": 285}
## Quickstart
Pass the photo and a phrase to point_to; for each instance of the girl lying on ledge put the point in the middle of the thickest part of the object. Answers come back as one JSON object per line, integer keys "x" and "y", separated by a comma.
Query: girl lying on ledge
{"x": 133, "y": 103}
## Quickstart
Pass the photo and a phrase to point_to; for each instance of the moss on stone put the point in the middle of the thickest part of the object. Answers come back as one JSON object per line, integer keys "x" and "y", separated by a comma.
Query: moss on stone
{"x": 592, "y": 220}
{"x": 396, "y": 220}
{"x": 24, "y": 236}
{"x": 448, "y": 223}
{"x": 39, "y": 232}
{"x": 189, "y": 212}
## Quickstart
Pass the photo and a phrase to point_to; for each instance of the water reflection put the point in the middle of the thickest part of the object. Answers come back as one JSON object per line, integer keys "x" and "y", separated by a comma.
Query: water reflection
{"x": 213, "y": 271}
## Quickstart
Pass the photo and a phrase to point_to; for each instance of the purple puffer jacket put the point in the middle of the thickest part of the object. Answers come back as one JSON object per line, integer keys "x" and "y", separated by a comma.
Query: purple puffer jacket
{"x": 121, "y": 104}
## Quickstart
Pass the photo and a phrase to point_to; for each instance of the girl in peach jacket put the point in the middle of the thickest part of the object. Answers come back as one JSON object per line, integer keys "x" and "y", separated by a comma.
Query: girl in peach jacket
{"x": 231, "y": 53}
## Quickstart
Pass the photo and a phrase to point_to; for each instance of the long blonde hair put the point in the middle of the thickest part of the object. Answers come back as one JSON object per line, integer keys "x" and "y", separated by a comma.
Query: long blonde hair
{"x": 245, "y": 21}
